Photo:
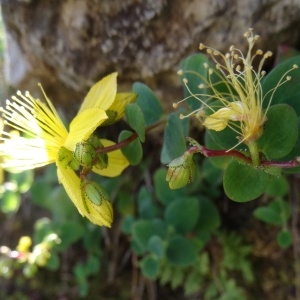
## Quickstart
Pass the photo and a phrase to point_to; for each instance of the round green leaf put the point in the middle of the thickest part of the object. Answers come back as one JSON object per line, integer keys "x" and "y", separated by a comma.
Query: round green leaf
{"x": 284, "y": 238}
{"x": 143, "y": 230}
{"x": 280, "y": 132}
{"x": 191, "y": 67}
{"x": 150, "y": 267}
{"x": 277, "y": 186}
{"x": 135, "y": 119}
{"x": 174, "y": 139}
{"x": 126, "y": 224}
{"x": 288, "y": 92}
{"x": 132, "y": 151}
{"x": 244, "y": 182}
{"x": 156, "y": 246}
{"x": 24, "y": 180}
{"x": 183, "y": 214}
{"x": 148, "y": 102}
{"x": 181, "y": 251}
{"x": 277, "y": 212}
{"x": 209, "y": 218}
{"x": 147, "y": 208}
{"x": 10, "y": 202}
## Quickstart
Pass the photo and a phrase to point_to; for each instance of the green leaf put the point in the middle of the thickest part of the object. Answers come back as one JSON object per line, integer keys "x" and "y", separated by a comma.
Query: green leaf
{"x": 244, "y": 182}
{"x": 181, "y": 251}
{"x": 133, "y": 151}
{"x": 148, "y": 102}
{"x": 288, "y": 92}
{"x": 164, "y": 194}
{"x": 53, "y": 263}
{"x": 276, "y": 213}
{"x": 146, "y": 205}
{"x": 156, "y": 246}
{"x": 10, "y": 202}
{"x": 183, "y": 214}
{"x": 143, "y": 230}
{"x": 194, "y": 71}
{"x": 69, "y": 233}
{"x": 278, "y": 186}
{"x": 126, "y": 224}
{"x": 209, "y": 218}
{"x": 24, "y": 180}
{"x": 174, "y": 140}
{"x": 150, "y": 267}
{"x": 284, "y": 239}
{"x": 135, "y": 119}
{"x": 280, "y": 132}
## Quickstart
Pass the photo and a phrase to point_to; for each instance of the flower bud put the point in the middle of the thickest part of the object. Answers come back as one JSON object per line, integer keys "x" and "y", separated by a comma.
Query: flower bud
{"x": 65, "y": 156}
{"x": 85, "y": 153}
{"x": 101, "y": 159}
{"x": 93, "y": 192}
{"x": 182, "y": 171}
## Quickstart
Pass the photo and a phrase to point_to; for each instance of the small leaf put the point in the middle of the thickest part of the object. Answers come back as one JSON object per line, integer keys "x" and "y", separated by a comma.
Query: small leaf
{"x": 24, "y": 180}
{"x": 244, "y": 182}
{"x": 135, "y": 119}
{"x": 143, "y": 230}
{"x": 209, "y": 217}
{"x": 183, "y": 214}
{"x": 10, "y": 202}
{"x": 288, "y": 92}
{"x": 150, "y": 267}
{"x": 277, "y": 212}
{"x": 181, "y": 251}
{"x": 284, "y": 239}
{"x": 156, "y": 246}
{"x": 126, "y": 224}
{"x": 277, "y": 186}
{"x": 146, "y": 206}
{"x": 148, "y": 102}
{"x": 193, "y": 71}
{"x": 280, "y": 132}
{"x": 174, "y": 139}
{"x": 133, "y": 151}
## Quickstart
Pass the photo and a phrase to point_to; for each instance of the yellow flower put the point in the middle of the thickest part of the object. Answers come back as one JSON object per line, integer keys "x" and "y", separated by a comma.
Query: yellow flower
{"x": 46, "y": 136}
{"x": 241, "y": 106}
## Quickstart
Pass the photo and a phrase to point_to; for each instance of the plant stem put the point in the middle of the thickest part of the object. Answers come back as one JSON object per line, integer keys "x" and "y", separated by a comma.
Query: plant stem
{"x": 254, "y": 153}
{"x": 131, "y": 138}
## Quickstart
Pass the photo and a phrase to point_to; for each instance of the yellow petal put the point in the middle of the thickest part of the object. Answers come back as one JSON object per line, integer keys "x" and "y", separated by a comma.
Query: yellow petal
{"x": 71, "y": 182}
{"x": 101, "y": 215}
{"x": 117, "y": 162}
{"x": 83, "y": 125}
{"x": 218, "y": 120}
{"x": 117, "y": 109}
{"x": 238, "y": 110}
{"x": 101, "y": 94}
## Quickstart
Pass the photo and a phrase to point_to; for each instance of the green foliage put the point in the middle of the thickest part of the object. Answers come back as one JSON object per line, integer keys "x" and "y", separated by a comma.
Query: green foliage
{"x": 135, "y": 119}
{"x": 175, "y": 133}
{"x": 148, "y": 102}
{"x": 281, "y": 129}
{"x": 244, "y": 182}
{"x": 132, "y": 151}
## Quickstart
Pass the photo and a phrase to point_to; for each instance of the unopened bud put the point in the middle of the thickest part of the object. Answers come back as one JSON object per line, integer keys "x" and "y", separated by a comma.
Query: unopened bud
{"x": 85, "y": 153}
{"x": 92, "y": 192}
{"x": 182, "y": 171}
{"x": 65, "y": 156}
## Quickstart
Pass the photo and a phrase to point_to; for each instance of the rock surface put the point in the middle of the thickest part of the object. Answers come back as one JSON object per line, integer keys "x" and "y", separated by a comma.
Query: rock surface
{"x": 68, "y": 45}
